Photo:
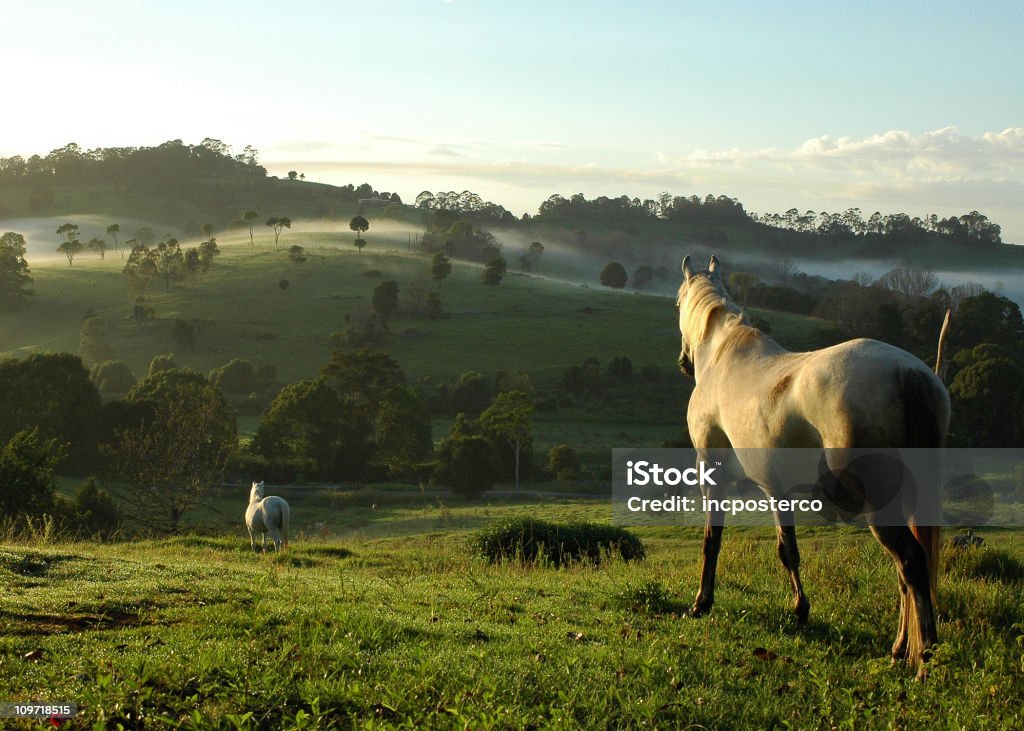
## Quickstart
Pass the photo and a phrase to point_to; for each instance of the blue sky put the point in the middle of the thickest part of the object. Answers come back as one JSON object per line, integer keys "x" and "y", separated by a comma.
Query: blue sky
{"x": 886, "y": 106}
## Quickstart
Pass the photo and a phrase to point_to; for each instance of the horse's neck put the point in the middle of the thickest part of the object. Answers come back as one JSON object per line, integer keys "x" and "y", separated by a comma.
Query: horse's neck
{"x": 733, "y": 345}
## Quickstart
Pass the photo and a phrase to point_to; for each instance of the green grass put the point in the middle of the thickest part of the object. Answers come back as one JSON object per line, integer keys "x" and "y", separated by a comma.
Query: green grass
{"x": 526, "y": 324}
{"x": 387, "y": 628}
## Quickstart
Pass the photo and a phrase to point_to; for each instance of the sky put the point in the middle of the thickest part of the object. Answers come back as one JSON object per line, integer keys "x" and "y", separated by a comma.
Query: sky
{"x": 891, "y": 106}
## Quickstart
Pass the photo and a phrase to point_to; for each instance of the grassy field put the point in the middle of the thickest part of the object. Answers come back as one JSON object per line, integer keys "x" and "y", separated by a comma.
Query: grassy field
{"x": 386, "y": 619}
{"x": 526, "y": 324}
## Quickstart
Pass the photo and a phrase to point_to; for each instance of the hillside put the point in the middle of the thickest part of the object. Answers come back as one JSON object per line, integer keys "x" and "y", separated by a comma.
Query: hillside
{"x": 528, "y": 323}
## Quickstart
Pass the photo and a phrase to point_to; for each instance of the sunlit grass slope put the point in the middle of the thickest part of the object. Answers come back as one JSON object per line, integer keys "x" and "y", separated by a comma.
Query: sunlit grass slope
{"x": 526, "y": 323}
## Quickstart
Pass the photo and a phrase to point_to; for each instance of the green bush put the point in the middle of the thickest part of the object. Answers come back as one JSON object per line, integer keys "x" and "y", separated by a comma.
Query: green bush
{"x": 564, "y": 463}
{"x": 95, "y": 511}
{"x": 26, "y": 475}
{"x": 528, "y": 540}
{"x": 113, "y": 376}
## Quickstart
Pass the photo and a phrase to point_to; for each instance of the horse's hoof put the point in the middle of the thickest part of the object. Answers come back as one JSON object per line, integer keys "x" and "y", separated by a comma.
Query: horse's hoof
{"x": 802, "y": 611}
{"x": 698, "y": 610}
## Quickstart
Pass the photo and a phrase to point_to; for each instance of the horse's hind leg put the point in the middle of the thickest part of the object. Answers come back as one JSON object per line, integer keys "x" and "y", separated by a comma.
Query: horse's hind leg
{"x": 789, "y": 554}
{"x": 712, "y": 545}
{"x": 899, "y": 647}
{"x": 917, "y": 632}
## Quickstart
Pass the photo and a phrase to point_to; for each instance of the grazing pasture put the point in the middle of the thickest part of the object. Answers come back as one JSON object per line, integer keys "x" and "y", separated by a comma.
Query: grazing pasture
{"x": 383, "y": 618}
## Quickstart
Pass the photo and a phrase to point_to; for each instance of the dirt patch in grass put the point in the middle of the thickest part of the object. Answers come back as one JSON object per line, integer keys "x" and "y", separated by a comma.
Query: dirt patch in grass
{"x": 38, "y": 623}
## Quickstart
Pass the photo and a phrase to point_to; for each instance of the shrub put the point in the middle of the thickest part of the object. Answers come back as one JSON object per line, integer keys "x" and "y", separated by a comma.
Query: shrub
{"x": 26, "y": 475}
{"x": 95, "y": 511}
{"x": 467, "y": 465}
{"x": 564, "y": 463}
{"x": 528, "y": 540}
{"x": 650, "y": 597}
{"x": 113, "y": 377}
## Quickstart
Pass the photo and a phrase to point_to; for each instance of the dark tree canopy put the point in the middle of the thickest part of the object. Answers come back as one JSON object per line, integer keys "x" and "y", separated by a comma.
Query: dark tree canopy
{"x": 52, "y": 393}
{"x": 614, "y": 275}
{"x": 14, "y": 271}
{"x": 385, "y": 301}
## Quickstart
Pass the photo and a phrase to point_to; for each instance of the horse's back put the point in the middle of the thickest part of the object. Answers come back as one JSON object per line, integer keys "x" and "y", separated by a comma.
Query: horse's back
{"x": 866, "y": 393}
{"x": 860, "y": 393}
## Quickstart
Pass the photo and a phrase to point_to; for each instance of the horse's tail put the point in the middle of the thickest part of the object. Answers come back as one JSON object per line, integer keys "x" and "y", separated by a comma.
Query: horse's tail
{"x": 926, "y": 414}
{"x": 285, "y": 517}
{"x": 940, "y": 362}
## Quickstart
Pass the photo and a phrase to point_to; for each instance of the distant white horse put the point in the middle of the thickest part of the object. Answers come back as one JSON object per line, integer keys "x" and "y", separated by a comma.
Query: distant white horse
{"x": 267, "y": 515}
{"x": 750, "y": 393}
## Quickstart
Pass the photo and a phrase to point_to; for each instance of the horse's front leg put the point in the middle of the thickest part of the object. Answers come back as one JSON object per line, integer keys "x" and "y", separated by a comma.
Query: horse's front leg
{"x": 789, "y": 554}
{"x": 713, "y": 525}
{"x": 252, "y": 540}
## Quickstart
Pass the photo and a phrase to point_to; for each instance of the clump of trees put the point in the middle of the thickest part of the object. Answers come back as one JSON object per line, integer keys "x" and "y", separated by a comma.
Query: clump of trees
{"x": 15, "y": 275}
{"x": 614, "y": 275}
{"x": 357, "y": 419}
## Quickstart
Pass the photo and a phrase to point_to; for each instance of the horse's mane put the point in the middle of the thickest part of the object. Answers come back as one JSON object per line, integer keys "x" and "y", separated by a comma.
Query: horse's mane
{"x": 702, "y": 300}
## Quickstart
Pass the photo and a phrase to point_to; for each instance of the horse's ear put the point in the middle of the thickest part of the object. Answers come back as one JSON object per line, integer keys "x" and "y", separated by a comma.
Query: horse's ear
{"x": 688, "y": 269}
{"x": 715, "y": 269}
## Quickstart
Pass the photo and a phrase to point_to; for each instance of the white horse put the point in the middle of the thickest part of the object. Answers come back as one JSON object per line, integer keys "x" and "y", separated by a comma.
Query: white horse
{"x": 267, "y": 515}
{"x": 861, "y": 394}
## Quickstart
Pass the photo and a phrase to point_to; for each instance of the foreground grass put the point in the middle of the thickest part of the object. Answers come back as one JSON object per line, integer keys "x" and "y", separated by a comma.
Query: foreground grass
{"x": 411, "y": 630}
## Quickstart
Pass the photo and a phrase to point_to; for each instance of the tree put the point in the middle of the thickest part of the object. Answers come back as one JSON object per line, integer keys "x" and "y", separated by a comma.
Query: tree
{"x": 292, "y": 174}
{"x": 92, "y": 343}
{"x": 297, "y": 254}
{"x": 52, "y": 393}
{"x": 113, "y": 230}
{"x": 385, "y": 301}
{"x": 208, "y": 231}
{"x": 642, "y": 276}
{"x": 250, "y": 217}
{"x": 192, "y": 262}
{"x": 440, "y": 267}
{"x": 988, "y": 318}
{"x": 169, "y": 262}
{"x": 14, "y": 271}
{"x": 509, "y": 416}
{"x": 95, "y": 511}
{"x": 140, "y": 267}
{"x": 99, "y": 246}
{"x": 614, "y": 275}
{"x": 466, "y": 465}
{"x": 167, "y": 465}
{"x": 435, "y": 308}
{"x": 67, "y": 231}
{"x": 278, "y": 224}
{"x": 112, "y": 377}
{"x": 360, "y": 225}
{"x": 161, "y": 363}
{"x": 309, "y": 427}
{"x": 988, "y": 400}
{"x": 535, "y": 250}
{"x": 27, "y": 485}
{"x": 402, "y": 431}
{"x": 207, "y": 251}
{"x": 740, "y": 284}
{"x": 71, "y": 249}
{"x": 494, "y": 272}
{"x": 909, "y": 282}
{"x": 564, "y": 463}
